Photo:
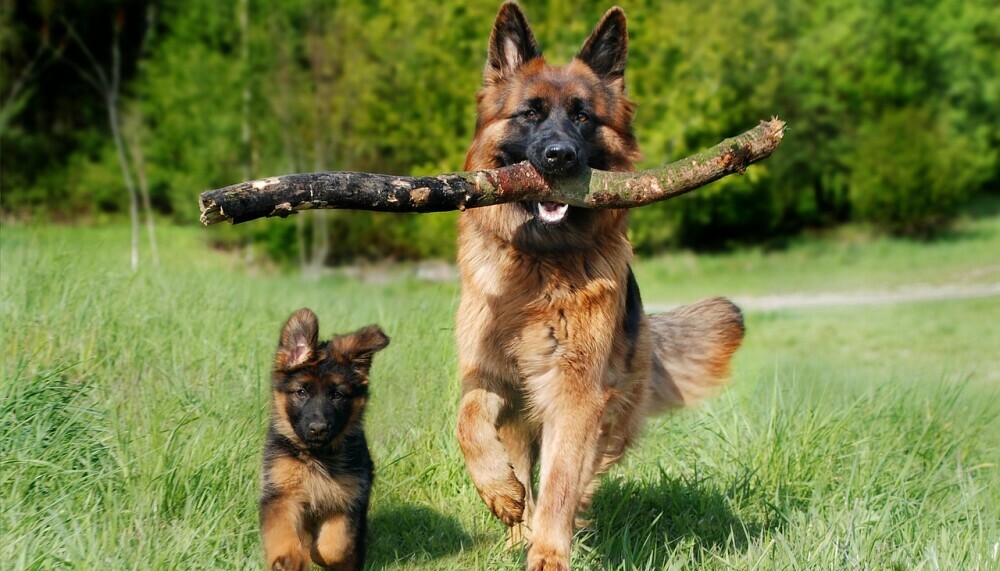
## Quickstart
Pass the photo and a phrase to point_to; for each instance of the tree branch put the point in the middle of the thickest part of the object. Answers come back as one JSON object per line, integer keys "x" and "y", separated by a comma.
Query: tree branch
{"x": 285, "y": 195}
{"x": 99, "y": 80}
{"x": 9, "y": 105}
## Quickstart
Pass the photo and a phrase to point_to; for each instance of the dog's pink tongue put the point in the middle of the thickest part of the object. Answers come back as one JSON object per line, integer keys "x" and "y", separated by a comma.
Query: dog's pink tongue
{"x": 552, "y": 211}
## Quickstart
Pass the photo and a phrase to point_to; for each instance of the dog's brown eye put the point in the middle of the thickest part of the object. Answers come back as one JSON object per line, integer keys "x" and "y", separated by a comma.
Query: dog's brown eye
{"x": 582, "y": 117}
{"x": 531, "y": 114}
{"x": 301, "y": 393}
{"x": 337, "y": 395}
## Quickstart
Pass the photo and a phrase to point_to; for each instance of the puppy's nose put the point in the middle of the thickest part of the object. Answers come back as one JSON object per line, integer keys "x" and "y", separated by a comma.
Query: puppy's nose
{"x": 559, "y": 156}
{"x": 317, "y": 429}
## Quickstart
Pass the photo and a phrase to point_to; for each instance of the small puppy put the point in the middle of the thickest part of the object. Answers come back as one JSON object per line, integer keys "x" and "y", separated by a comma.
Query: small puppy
{"x": 317, "y": 470}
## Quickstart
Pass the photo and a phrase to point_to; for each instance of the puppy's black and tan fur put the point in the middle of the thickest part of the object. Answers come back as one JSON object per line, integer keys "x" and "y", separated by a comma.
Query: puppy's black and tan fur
{"x": 559, "y": 362}
{"x": 317, "y": 470}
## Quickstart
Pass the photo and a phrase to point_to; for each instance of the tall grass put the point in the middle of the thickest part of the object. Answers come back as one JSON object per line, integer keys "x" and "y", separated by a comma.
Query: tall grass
{"x": 133, "y": 406}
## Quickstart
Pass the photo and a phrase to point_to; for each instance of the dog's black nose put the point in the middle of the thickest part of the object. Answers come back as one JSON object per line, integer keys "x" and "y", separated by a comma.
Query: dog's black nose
{"x": 317, "y": 429}
{"x": 560, "y": 156}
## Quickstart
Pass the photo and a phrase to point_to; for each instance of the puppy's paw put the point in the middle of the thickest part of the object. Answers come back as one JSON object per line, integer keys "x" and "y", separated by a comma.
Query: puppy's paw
{"x": 547, "y": 559}
{"x": 505, "y": 498}
{"x": 290, "y": 562}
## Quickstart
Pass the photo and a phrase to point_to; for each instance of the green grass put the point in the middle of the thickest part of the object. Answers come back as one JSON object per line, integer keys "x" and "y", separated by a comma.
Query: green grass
{"x": 133, "y": 406}
{"x": 850, "y": 259}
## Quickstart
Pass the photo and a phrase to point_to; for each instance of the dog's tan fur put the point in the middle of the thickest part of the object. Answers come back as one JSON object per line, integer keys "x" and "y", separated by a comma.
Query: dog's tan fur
{"x": 557, "y": 367}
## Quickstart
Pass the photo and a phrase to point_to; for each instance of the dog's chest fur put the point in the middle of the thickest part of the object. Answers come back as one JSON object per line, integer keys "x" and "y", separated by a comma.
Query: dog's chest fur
{"x": 312, "y": 482}
{"x": 527, "y": 314}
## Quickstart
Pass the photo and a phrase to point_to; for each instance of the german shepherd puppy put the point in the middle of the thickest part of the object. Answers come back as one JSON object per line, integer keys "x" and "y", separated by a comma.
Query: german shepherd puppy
{"x": 559, "y": 363}
{"x": 317, "y": 471}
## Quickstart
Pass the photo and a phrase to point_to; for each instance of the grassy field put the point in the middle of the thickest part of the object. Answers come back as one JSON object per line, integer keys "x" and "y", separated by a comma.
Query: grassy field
{"x": 850, "y": 259}
{"x": 133, "y": 406}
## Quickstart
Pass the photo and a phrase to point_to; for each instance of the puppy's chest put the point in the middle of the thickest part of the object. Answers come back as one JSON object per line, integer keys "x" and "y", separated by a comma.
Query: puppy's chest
{"x": 329, "y": 493}
{"x": 320, "y": 487}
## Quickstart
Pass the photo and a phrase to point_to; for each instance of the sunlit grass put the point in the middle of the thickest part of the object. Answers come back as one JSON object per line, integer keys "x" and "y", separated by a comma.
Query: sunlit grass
{"x": 847, "y": 259}
{"x": 133, "y": 406}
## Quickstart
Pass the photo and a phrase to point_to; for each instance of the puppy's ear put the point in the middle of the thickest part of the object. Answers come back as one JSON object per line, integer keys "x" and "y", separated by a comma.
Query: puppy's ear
{"x": 511, "y": 44}
{"x": 298, "y": 338}
{"x": 356, "y": 349}
{"x": 606, "y": 50}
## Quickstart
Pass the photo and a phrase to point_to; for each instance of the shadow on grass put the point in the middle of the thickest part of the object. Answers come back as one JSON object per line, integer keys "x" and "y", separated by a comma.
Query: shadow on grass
{"x": 983, "y": 206}
{"x": 959, "y": 230}
{"x": 642, "y": 521}
{"x": 412, "y": 533}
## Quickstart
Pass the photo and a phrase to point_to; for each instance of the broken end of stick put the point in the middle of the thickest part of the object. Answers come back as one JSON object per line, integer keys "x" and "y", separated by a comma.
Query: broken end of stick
{"x": 211, "y": 212}
{"x": 775, "y": 128}
{"x": 739, "y": 157}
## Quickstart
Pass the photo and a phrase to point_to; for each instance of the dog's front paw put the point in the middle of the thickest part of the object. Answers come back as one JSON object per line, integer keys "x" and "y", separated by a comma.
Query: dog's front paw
{"x": 547, "y": 559}
{"x": 505, "y": 498}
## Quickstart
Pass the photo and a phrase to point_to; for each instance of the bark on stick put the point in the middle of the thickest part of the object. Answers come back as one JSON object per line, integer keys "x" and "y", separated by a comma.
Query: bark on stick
{"x": 288, "y": 194}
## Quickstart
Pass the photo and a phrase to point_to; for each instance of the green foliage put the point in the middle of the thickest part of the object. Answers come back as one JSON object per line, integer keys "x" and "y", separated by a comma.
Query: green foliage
{"x": 371, "y": 235}
{"x": 389, "y": 87}
{"x": 910, "y": 172}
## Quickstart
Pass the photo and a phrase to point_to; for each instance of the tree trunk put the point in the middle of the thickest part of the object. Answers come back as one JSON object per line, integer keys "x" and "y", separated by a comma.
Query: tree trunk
{"x": 133, "y": 125}
{"x": 110, "y": 88}
{"x": 245, "y": 110}
{"x": 133, "y": 207}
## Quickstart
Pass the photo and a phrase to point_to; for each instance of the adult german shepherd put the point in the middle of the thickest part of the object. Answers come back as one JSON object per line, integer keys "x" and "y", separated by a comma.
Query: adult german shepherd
{"x": 317, "y": 471}
{"x": 559, "y": 363}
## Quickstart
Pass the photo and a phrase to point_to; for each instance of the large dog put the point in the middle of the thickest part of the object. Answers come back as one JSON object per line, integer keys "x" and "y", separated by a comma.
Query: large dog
{"x": 559, "y": 363}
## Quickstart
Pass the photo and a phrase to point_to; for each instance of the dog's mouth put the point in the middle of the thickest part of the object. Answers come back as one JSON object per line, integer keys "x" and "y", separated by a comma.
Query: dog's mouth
{"x": 318, "y": 443}
{"x": 550, "y": 212}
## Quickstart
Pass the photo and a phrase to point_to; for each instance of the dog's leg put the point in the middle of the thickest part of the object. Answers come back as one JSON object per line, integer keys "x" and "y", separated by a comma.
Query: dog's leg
{"x": 623, "y": 419}
{"x": 609, "y": 451}
{"x": 486, "y": 458}
{"x": 570, "y": 434}
{"x": 519, "y": 441}
{"x": 281, "y": 528}
{"x": 336, "y": 545}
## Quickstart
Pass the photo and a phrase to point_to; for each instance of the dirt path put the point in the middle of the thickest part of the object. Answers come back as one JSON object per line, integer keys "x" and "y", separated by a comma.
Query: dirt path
{"x": 836, "y": 299}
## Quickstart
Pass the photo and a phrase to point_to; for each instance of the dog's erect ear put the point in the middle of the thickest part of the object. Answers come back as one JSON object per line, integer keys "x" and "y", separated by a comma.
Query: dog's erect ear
{"x": 511, "y": 44}
{"x": 356, "y": 349}
{"x": 606, "y": 50}
{"x": 298, "y": 337}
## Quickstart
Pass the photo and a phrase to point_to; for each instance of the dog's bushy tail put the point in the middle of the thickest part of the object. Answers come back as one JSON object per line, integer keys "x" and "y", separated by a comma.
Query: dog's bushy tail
{"x": 693, "y": 346}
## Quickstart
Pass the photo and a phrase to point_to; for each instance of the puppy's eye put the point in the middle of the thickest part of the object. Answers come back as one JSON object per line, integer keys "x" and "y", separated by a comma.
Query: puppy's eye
{"x": 531, "y": 114}
{"x": 337, "y": 395}
{"x": 301, "y": 393}
{"x": 582, "y": 117}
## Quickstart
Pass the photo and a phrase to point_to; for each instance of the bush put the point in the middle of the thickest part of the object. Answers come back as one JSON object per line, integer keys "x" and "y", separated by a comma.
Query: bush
{"x": 910, "y": 171}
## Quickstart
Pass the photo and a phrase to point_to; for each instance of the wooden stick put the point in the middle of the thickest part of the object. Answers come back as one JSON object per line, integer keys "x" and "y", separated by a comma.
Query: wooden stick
{"x": 288, "y": 194}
